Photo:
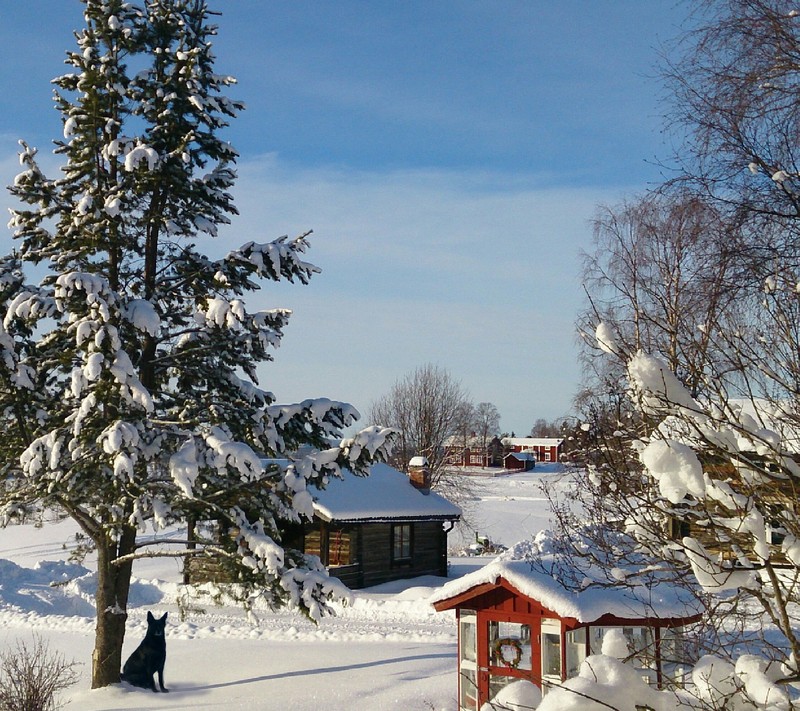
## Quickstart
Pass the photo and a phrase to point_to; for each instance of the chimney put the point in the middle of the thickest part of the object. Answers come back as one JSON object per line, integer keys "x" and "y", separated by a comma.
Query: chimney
{"x": 419, "y": 474}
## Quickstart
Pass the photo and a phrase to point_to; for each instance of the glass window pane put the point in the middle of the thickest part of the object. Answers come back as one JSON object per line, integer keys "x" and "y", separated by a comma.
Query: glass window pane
{"x": 674, "y": 657}
{"x": 551, "y": 654}
{"x": 401, "y": 541}
{"x": 510, "y": 645}
{"x": 576, "y": 650}
{"x": 468, "y": 639}
{"x": 640, "y": 642}
{"x": 497, "y": 683}
{"x": 339, "y": 549}
{"x": 469, "y": 689}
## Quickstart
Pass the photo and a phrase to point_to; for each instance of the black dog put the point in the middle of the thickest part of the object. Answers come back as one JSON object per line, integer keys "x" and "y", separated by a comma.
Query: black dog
{"x": 149, "y": 657}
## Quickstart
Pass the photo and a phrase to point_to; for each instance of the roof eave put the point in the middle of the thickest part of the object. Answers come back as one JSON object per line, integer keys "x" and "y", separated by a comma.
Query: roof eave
{"x": 387, "y": 519}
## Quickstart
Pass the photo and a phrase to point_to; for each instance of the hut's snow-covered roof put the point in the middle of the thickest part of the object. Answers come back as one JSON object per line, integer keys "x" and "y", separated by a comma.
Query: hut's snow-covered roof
{"x": 386, "y": 494}
{"x": 658, "y": 600}
{"x": 522, "y": 456}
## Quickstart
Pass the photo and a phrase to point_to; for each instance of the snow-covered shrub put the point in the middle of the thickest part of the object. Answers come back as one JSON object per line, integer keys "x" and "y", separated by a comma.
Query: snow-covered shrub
{"x": 520, "y": 695}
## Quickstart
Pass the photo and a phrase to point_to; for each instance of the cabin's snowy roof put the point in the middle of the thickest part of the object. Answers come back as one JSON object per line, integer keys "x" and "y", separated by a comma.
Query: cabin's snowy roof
{"x": 660, "y": 600}
{"x": 386, "y": 494}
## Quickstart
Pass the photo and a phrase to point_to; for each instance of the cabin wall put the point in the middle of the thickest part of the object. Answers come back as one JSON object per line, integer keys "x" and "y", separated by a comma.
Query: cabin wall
{"x": 428, "y": 552}
{"x": 358, "y": 554}
{"x": 372, "y": 557}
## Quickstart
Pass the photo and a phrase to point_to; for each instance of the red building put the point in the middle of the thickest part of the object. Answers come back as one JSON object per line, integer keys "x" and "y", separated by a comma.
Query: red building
{"x": 472, "y": 453}
{"x": 519, "y": 461}
{"x": 517, "y": 623}
{"x": 545, "y": 449}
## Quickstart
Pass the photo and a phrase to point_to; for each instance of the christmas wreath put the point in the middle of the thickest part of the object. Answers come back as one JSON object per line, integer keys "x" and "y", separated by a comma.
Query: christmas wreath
{"x": 509, "y": 651}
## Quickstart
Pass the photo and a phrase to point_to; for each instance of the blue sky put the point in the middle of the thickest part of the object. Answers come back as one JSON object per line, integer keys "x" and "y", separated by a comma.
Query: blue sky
{"x": 448, "y": 156}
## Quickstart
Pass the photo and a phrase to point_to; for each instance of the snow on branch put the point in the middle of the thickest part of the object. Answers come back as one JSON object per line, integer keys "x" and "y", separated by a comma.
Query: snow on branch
{"x": 284, "y": 423}
{"x": 28, "y": 306}
{"x": 311, "y": 589}
{"x": 141, "y": 153}
{"x": 143, "y": 316}
{"x": 676, "y": 468}
{"x": 657, "y": 388}
{"x": 310, "y": 466}
{"x": 223, "y": 452}
{"x": 711, "y": 575}
{"x": 259, "y": 552}
{"x": 370, "y": 443}
{"x": 275, "y": 260}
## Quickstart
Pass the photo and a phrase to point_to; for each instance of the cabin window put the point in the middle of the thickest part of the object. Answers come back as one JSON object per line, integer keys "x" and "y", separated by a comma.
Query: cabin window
{"x": 401, "y": 542}
{"x": 475, "y": 459}
{"x": 776, "y": 533}
{"x": 312, "y": 543}
{"x": 678, "y": 528}
{"x": 340, "y": 551}
{"x": 509, "y": 645}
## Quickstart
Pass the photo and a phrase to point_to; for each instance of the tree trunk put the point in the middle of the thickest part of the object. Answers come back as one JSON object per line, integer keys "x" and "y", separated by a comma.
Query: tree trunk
{"x": 113, "y": 586}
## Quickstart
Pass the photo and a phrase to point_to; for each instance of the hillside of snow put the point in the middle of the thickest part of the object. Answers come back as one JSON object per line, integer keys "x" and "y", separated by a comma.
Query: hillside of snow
{"x": 388, "y": 649}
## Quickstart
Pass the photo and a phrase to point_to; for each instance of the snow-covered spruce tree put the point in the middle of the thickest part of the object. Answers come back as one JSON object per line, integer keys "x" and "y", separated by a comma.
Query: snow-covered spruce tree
{"x": 128, "y": 375}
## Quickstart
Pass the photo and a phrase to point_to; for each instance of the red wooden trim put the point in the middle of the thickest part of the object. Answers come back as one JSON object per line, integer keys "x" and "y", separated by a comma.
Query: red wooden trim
{"x": 659, "y": 674}
{"x": 608, "y": 619}
{"x": 462, "y": 600}
{"x": 457, "y": 600}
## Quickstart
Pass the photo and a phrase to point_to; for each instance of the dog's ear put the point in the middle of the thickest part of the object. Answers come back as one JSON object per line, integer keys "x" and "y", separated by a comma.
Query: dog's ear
{"x": 163, "y": 617}
{"x": 150, "y": 617}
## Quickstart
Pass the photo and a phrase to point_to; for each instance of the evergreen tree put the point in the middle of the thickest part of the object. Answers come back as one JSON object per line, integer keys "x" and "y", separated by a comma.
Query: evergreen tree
{"x": 128, "y": 378}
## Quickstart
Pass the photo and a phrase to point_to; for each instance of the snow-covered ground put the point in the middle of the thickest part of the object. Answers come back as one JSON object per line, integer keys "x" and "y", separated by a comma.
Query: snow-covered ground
{"x": 387, "y": 650}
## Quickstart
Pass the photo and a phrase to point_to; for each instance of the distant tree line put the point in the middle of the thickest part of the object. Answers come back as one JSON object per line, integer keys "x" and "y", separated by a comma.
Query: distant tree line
{"x": 430, "y": 410}
{"x": 433, "y": 413}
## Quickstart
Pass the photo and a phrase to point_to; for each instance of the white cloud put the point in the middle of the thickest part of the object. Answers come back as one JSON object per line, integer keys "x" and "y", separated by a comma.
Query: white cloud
{"x": 476, "y": 272}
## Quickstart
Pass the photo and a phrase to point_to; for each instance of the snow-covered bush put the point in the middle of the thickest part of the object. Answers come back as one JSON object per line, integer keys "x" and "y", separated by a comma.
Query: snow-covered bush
{"x": 519, "y": 695}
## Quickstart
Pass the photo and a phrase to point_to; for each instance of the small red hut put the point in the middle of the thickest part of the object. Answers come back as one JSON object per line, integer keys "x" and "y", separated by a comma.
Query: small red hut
{"x": 517, "y": 623}
{"x": 519, "y": 461}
